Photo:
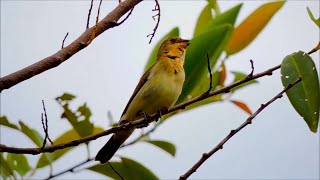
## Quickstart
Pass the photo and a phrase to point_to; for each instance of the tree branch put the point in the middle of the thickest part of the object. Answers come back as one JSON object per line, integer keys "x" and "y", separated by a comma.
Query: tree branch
{"x": 136, "y": 123}
{"x": 64, "y": 54}
{"x": 206, "y": 156}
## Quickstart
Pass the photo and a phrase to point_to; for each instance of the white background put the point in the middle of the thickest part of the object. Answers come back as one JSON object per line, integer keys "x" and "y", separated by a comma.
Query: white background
{"x": 278, "y": 145}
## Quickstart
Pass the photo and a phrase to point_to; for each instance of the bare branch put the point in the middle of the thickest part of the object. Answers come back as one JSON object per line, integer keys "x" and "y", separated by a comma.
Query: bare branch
{"x": 136, "y": 123}
{"x": 206, "y": 156}
{"x": 156, "y": 8}
{"x": 64, "y": 54}
{"x": 44, "y": 122}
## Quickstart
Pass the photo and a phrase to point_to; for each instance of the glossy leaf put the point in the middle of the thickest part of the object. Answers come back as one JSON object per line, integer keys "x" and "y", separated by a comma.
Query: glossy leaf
{"x": 5, "y": 170}
{"x": 305, "y": 96}
{"x": 164, "y": 145}
{"x": 5, "y": 122}
{"x": 242, "y": 106}
{"x": 211, "y": 42}
{"x": 247, "y": 31}
{"x": 127, "y": 168}
{"x": 316, "y": 21}
{"x": 227, "y": 17}
{"x": 239, "y": 76}
{"x": 19, "y": 163}
{"x": 204, "y": 17}
{"x": 64, "y": 138}
{"x": 153, "y": 55}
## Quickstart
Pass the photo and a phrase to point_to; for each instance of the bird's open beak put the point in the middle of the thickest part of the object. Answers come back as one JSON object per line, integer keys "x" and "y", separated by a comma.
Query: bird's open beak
{"x": 185, "y": 43}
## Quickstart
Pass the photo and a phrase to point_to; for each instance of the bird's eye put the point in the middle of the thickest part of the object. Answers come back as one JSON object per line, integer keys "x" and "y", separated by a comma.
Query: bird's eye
{"x": 172, "y": 40}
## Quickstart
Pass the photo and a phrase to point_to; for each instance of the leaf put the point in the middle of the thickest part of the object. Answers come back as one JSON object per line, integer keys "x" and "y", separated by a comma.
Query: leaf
{"x": 153, "y": 55}
{"x": 33, "y": 135}
{"x": 204, "y": 17}
{"x": 5, "y": 122}
{"x": 66, "y": 97}
{"x": 242, "y": 106}
{"x": 5, "y": 169}
{"x": 64, "y": 138}
{"x": 227, "y": 17}
{"x": 164, "y": 145}
{"x": 305, "y": 96}
{"x": 316, "y": 21}
{"x": 223, "y": 75}
{"x": 246, "y": 32}
{"x": 127, "y": 168}
{"x": 211, "y": 42}
{"x": 239, "y": 76}
{"x": 19, "y": 163}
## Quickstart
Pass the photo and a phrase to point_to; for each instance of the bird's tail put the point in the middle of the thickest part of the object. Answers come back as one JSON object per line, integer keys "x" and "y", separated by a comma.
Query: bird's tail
{"x": 111, "y": 147}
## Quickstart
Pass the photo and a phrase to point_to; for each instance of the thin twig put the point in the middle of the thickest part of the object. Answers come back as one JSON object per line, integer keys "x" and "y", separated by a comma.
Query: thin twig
{"x": 156, "y": 8}
{"x": 124, "y": 19}
{"x": 93, "y": 34}
{"x": 315, "y": 49}
{"x": 136, "y": 123}
{"x": 206, "y": 156}
{"x": 69, "y": 170}
{"x": 64, "y": 39}
{"x": 89, "y": 14}
{"x": 210, "y": 73}
{"x": 44, "y": 121}
{"x": 115, "y": 171}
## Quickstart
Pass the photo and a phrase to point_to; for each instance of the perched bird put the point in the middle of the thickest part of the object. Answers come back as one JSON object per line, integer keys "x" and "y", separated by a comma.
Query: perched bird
{"x": 159, "y": 87}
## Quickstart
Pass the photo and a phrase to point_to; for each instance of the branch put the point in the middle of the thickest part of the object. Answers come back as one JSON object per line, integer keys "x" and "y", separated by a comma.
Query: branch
{"x": 206, "y": 156}
{"x": 156, "y": 8}
{"x": 64, "y": 54}
{"x": 136, "y": 123}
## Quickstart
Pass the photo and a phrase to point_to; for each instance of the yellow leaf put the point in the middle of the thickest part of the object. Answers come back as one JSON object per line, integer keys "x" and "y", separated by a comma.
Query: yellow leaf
{"x": 246, "y": 32}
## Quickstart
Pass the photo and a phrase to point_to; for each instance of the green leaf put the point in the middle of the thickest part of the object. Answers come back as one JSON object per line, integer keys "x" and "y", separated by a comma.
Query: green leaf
{"x": 305, "y": 96}
{"x": 64, "y": 138}
{"x": 248, "y": 30}
{"x": 211, "y": 42}
{"x": 5, "y": 122}
{"x": 19, "y": 163}
{"x": 204, "y": 17}
{"x": 5, "y": 169}
{"x": 32, "y": 134}
{"x": 153, "y": 55}
{"x": 316, "y": 21}
{"x": 240, "y": 76}
{"x": 66, "y": 97}
{"x": 227, "y": 17}
{"x": 164, "y": 145}
{"x": 127, "y": 168}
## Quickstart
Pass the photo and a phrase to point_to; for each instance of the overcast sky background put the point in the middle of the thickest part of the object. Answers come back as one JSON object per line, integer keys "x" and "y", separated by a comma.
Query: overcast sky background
{"x": 278, "y": 145}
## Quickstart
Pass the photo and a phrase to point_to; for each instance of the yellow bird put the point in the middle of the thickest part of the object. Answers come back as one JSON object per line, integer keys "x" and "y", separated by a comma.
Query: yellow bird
{"x": 159, "y": 87}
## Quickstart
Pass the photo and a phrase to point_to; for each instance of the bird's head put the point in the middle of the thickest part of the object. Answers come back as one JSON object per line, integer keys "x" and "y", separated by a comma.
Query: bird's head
{"x": 173, "y": 47}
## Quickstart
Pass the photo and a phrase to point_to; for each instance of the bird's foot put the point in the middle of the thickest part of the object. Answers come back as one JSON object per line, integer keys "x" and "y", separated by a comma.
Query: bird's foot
{"x": 162, "y": 111}
{"x": 146, "y": 117}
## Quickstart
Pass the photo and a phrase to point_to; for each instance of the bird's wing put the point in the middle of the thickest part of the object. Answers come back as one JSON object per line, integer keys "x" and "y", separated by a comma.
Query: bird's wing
{"x": 142, "y": 82}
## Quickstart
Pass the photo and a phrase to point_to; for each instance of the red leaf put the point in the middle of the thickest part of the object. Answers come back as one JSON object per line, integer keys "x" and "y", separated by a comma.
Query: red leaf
{"x": 242, "y": 106}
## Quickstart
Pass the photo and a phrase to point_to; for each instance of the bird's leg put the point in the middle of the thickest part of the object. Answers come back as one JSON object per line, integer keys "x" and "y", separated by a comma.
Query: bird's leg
{"x": 162, "y": 111}
{"x": 146, "y": 117}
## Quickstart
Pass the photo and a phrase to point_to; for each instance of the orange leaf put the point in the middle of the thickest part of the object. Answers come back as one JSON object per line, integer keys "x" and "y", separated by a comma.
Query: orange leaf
{"x": 242, "y": 106}
{"x": 246, "y": 32}
{"x": 223, "y": 74}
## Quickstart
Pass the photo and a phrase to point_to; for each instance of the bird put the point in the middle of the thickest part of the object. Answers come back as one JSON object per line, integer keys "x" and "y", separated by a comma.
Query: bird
{"x": 158, "y": 88}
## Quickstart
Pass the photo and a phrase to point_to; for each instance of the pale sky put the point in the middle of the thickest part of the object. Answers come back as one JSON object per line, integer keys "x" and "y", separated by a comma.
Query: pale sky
{"x": 278, "y": 145}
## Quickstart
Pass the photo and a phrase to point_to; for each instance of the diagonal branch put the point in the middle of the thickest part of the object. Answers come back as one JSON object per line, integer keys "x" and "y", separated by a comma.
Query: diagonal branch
{"x": 206, "y": 156}
{"x": 136, "y": 123}
{"x": 64, "y": 54}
